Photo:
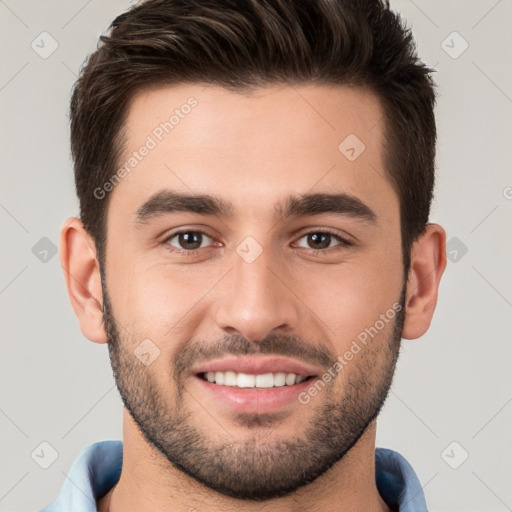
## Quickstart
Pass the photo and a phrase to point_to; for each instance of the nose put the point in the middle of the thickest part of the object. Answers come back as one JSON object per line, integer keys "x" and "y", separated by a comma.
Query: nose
{"x": 257, "y": 299}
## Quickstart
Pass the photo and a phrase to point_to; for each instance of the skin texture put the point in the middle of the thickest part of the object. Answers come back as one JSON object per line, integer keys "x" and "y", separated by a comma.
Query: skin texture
{"x": 294, "y": 299}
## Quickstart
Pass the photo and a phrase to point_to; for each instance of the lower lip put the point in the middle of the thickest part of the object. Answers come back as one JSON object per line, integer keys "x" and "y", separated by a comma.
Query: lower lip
{"x": 254, "y": 400}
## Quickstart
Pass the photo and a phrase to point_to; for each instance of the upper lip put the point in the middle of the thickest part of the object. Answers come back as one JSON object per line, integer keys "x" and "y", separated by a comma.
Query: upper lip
{"x": 255, "y": 365}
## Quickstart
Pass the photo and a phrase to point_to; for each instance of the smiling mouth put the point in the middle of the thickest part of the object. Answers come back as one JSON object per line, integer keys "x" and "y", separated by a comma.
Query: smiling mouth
{"x": 254, "y": 381}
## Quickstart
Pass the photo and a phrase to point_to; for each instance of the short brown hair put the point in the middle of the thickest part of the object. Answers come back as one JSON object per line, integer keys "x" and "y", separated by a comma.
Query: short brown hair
{"x": 242, "y": 44}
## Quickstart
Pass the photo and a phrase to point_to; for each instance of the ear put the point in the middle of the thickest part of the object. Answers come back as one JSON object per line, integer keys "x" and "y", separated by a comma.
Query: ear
{"x": 82, "y": 274}
{"x": 428, "y": 262}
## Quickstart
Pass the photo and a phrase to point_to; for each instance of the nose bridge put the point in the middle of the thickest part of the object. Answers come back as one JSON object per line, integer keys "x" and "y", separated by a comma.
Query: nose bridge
{"x": 256, "y": 301}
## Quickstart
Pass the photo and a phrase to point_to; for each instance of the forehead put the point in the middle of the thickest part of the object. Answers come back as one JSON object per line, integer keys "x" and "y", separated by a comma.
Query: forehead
{"x": 256, "y": 148}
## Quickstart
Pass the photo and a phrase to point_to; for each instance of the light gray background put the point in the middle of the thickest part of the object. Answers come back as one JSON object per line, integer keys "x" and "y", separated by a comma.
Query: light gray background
{"x": 453, "y": 384}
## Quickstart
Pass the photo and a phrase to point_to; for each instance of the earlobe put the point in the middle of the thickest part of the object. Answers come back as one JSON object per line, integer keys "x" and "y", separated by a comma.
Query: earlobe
{"x": 83, "y": 281}
{"x": 428, "y": 262}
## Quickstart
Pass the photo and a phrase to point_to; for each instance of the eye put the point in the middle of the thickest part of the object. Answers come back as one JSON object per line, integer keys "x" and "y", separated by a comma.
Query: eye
{"x": 321, "y": 240}
{"x": 188, "y": 241}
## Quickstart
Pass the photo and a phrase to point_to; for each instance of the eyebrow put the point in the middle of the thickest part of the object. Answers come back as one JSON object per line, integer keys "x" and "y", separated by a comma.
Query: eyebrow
{"x": 167, "y": 202}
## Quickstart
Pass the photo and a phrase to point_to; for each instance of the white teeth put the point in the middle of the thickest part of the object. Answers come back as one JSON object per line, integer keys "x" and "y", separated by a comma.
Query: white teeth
{"x": 265, "y": 380}
{"x": 279, "y": 379}
{"x": 230, "y": 379}
{"x": 245, "y": 380}
{"x": 290, "y": 379}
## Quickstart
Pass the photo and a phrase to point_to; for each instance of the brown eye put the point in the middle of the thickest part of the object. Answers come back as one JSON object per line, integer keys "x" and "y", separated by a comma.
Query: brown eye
{"x": 186, "y": 241}
{"x": 321, "y": 240}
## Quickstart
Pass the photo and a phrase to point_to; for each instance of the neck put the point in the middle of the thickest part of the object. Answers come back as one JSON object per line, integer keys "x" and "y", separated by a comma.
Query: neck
{"x": 149, "y": 482}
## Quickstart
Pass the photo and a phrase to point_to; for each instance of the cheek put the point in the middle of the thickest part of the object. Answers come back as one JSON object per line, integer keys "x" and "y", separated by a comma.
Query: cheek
{"x": 155, "y": 301}
{"x": 352, "y": 299}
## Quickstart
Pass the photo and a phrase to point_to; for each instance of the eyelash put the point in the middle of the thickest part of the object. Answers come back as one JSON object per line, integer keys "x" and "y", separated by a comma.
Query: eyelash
{"x": 343, "y": 242}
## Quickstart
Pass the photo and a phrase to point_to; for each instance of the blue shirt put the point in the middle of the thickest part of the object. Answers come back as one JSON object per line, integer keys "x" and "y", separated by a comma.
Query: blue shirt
{"x": 98, "y": 467}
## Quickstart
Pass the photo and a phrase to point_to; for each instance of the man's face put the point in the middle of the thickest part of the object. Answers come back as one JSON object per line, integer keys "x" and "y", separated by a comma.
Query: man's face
{"x": 261, "y": 289}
